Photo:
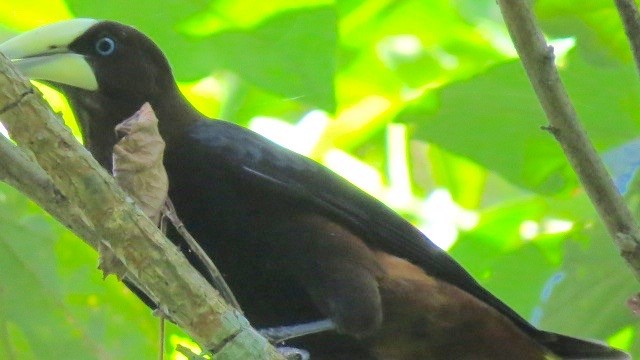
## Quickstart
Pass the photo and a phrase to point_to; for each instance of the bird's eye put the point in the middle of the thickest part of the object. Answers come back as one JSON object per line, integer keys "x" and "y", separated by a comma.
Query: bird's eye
{"x": 105, "y": 46}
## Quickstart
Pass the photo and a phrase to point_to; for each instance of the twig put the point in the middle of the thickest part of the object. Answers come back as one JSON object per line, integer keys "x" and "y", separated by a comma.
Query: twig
{"x": 215, "y": 276}
{"x": 162, "y": 336}
{"x": 538, "y": 60}
{"x": 628, "y": 11}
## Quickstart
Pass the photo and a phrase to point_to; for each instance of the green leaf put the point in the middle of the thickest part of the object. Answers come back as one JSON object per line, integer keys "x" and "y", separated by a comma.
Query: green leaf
{"x": 497, "y": 232}
{"x": 159, "y": 14}
{"x": 495, "y": 253}
{"x": 291, "y": 53}
{"x": 495, "y": 119}
{"x": 53, "y": 301}
{"x": 594, "y": 24}
{"x": 464, "y": 179}
{"x": 589, "y": 301}
{"x": 390, "y": 39}
{"x": 518, "y": 277}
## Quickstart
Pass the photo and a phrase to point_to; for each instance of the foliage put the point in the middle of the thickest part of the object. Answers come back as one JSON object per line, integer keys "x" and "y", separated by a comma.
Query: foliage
{"x": 419, "y": 102}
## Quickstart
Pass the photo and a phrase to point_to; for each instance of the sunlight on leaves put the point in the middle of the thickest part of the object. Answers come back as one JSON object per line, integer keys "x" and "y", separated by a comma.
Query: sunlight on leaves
{"x": 25, "y": 15}
{"x": 61, "y": 106}
{"x": 175, "y": 340}
{"x": 233, "y": 14}
{"x": 623, "y": 338}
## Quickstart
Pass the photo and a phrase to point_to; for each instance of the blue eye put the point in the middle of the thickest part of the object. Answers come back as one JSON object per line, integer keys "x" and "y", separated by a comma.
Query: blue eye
{"x": 105, "y": 46}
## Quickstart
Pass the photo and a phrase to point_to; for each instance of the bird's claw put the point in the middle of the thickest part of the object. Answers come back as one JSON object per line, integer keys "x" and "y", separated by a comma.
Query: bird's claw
{"x": 291, "y": 353}
{"x": 281, "y": 333}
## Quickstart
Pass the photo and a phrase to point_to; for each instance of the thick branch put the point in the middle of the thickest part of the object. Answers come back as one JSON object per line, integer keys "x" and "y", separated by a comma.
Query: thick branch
{"x": 151, "y": 260}
{"x": 538, "y": 60}
{"x": 22, "y": 172}
{"x": 628, "y": 11}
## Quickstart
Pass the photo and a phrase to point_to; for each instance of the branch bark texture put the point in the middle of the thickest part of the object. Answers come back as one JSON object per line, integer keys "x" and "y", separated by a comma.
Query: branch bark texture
{"x": 630, "y": 16}
{"x": 73, "y": 187}
{"x": 538, "y": 60}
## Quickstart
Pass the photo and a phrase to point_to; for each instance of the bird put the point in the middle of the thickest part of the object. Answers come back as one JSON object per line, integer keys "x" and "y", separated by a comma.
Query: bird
{"x": 296, "y": 242}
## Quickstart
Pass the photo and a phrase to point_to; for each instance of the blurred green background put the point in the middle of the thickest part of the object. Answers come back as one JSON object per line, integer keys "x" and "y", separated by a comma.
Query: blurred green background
{"x": 420, "y": 102}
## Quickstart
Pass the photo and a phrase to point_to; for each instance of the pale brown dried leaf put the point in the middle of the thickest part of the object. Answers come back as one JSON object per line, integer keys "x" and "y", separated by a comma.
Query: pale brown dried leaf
{"x": 137, "y": 162}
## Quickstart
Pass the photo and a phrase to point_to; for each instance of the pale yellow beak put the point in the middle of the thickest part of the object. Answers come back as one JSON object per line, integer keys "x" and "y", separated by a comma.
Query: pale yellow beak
{"x": 43, "y": 54}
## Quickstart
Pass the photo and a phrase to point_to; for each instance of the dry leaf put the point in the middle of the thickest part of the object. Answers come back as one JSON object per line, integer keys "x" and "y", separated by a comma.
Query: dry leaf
{"x": 137, "y": 162}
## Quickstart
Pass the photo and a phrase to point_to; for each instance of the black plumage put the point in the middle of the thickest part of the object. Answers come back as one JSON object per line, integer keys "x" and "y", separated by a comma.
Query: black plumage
{"x": 296, "y": 242}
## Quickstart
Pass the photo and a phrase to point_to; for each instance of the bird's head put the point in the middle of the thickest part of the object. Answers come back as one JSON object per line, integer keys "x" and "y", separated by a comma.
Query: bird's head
{"x": 93, "y": 56}
{"x": 107, "y": 70}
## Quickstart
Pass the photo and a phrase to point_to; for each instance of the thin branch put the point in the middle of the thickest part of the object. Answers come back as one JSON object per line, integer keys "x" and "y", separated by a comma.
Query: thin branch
{"x": 159, "y": 268}
{"x": 538, "y": 60}
{"x": 161, "y": 337}
{"x": 630, "y": 16}
{"x": 216, "y": 278}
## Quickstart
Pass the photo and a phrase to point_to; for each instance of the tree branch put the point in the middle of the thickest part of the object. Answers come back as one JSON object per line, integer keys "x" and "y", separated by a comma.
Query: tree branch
{"x": 628, "y": 11}
{"x": 538, "y": 60}
{"x": 21, "y": 171}
{"x": 102, "y": 214}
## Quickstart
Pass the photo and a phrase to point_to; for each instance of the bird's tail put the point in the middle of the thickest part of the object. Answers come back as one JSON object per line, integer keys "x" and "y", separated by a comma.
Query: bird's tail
{"x": 567, "y": 348}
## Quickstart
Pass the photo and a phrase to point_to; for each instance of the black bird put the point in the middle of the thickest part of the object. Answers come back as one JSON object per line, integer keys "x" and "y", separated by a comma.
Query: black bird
{"x": 296, "y": 242}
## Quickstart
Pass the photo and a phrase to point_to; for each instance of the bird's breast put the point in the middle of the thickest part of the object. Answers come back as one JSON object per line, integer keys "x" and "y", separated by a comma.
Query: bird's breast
{"x": 230, "y": 221}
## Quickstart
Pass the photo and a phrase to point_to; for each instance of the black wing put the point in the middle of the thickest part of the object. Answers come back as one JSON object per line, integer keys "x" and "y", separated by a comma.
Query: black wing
{"x": 269, "y": 167}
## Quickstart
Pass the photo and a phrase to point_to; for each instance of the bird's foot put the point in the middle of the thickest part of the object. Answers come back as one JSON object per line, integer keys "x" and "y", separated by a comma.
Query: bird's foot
{"x": 282, "y": 333}
{"x": 291, "y": 353}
